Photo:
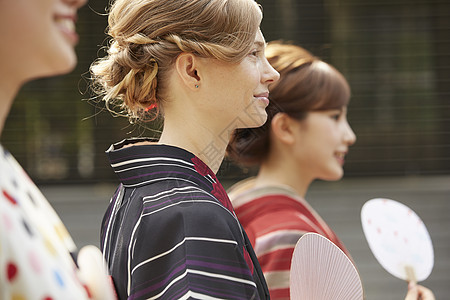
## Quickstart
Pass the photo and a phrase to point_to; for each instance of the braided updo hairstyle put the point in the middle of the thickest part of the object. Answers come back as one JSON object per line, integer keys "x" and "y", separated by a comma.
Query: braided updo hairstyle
{"x": 306, "y": 84}
{"x": 148, "y": 35}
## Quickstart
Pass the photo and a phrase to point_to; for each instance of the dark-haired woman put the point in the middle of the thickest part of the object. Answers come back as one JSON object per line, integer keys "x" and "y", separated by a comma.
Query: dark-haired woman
{"x": 306, "y": 137}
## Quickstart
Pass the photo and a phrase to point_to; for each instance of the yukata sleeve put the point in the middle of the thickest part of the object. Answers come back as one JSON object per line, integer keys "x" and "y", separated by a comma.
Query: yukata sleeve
{"x": 196, "y": 251}
{"x": 29, "y": 268}
{"x": 11, "y": 258}
{"x": 275, "y": 236}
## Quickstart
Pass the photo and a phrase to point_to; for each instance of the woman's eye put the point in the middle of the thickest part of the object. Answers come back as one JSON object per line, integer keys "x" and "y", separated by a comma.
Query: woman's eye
{"x": 255, "y": 53}
{"x": 336, "y": 116}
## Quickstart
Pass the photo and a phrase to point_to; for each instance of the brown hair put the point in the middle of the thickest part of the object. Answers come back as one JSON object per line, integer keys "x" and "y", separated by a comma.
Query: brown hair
{"x": 306, "y": 84}
{"x": 148, "y": 35}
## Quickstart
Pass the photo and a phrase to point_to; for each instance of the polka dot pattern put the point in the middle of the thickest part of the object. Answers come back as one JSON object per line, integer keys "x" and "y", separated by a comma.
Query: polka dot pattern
{"x": 9, "y": 197}
{"x": 7, "y": 222}
{"x": 18, "y": 297}
{"x": 58, "y": 278}
{"x": 11, "y": 271}
{"x": 34, "y": 262}
{"x": 35, "y": 246}
{"x": 27, "y": 228}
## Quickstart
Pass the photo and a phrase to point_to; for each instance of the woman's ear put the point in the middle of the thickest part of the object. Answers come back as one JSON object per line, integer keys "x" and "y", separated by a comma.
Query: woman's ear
{"x": 186, "y": 66}
{"x": 283, "y": 128}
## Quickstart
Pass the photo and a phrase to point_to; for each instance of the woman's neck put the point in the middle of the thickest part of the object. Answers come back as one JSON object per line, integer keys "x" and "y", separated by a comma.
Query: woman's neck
{"x": 284, "y": 173}
{"x": 8, "y": 91}
{"x": 197, "y": 139}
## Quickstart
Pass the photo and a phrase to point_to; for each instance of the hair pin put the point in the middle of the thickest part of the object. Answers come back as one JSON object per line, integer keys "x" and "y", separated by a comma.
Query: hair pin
{"x": 152, "y": 106}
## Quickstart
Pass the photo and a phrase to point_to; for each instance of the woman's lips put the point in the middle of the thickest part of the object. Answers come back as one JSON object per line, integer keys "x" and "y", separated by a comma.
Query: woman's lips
{"x": 263, "y": 97}
{"x": 340, "y": 156}
{"x": 66, "y": 24}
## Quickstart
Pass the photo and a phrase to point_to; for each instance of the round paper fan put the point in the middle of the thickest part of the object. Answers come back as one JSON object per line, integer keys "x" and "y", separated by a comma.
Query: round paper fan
{"x": 94, "y": 274}
{"x": 398, "y": 239}
{"x": 322, "y": 271}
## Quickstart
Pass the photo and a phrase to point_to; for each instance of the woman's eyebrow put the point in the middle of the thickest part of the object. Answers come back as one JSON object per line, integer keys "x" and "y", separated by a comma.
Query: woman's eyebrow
{"x": 260, "y": 44}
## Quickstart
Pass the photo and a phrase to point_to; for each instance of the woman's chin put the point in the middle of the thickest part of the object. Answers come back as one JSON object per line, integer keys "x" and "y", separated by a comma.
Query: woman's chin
{"x": 69, "y": 65}
{"x": 258, "y": 120}
{"x": 333, "y": 176}
{"x": 63, "y": 62}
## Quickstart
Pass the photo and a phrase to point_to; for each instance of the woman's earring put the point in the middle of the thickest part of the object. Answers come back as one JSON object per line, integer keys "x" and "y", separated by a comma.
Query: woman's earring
{"x": 196, "y": 86}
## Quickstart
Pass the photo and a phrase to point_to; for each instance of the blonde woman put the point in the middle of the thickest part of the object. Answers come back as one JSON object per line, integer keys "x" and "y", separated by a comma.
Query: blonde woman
{"x": 38, "y": 40}
{"x": 170, "y": 231}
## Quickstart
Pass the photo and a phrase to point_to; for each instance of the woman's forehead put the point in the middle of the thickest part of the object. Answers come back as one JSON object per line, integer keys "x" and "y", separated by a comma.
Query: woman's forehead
{"x": 259, "y": 38}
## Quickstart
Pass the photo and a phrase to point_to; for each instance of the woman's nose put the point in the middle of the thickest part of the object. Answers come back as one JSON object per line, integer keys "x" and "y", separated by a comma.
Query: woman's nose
{"x": 350, "y": 137}
{"x": 270, "y": 75}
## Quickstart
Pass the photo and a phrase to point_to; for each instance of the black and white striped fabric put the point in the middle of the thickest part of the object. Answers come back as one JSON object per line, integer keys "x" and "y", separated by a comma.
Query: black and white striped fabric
{"x": 170, "y": 231}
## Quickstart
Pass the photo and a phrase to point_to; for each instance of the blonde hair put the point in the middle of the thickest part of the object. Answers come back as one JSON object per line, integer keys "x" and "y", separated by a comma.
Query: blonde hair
{"x": 148, "y": 35}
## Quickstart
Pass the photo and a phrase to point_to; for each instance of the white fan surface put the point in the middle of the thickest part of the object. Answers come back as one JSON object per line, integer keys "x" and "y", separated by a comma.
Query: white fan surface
{"x": 398, "y": 238}
{"x": 322, "y": 271}
{"x": 94, "y": 274}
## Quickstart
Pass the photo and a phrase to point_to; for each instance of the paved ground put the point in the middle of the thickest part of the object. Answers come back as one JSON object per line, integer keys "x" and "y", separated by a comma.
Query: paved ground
{"x": 81, "y": 209}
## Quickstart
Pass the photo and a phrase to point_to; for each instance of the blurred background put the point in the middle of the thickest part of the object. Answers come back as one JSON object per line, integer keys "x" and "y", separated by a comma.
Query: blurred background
{"x": 396, "y": 57}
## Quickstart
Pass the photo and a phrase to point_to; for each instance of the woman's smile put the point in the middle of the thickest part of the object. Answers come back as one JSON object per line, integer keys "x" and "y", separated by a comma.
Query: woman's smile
{"x": 263, "y": 97}
{"x": 66, "y": 25}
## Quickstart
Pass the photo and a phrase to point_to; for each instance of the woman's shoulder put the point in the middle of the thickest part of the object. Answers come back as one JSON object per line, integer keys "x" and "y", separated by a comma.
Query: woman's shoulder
{"x": 245, "y": 192}
{"x": 180, "y": 201}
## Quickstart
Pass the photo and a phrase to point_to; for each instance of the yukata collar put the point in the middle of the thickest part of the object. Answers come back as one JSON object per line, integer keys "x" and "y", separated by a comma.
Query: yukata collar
{"x": 144, "y": 164}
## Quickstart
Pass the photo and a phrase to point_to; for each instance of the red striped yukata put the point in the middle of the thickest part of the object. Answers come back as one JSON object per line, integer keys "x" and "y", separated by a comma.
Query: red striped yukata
{"x": 275, "y": 218}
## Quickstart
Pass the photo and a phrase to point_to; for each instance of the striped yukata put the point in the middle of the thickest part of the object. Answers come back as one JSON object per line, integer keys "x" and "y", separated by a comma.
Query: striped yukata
{"x": 170, "y": 231}
{"x": 275, "y": 218}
